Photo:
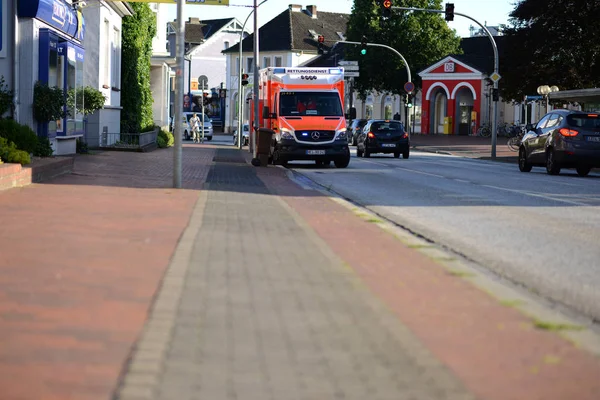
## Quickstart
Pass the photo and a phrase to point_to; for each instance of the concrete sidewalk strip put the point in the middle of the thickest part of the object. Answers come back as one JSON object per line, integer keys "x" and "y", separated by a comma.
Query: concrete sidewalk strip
{"x": 494, "y": 349}
{"x": 266, "y": 313}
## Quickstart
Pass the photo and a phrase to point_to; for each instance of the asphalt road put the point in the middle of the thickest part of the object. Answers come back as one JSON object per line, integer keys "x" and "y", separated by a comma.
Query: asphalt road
{"x": 538, "y": 230}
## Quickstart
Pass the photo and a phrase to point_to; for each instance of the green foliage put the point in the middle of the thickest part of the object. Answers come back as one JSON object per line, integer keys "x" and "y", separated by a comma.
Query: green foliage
{"x": 21, "y": 135}
{"x": 136, "y": 96}
{"x": 81, "y": 147}
{"x": 550, "y": 42}
{"x": 166, "y": 138}
{"x": 88, "y": 100}
{"x": 48, "y": 103}
{"x": 6, "y": 97}
{"x": 421, "y": 37}
{"x": 43, "y": 149}
{"x": 10, "y": 153}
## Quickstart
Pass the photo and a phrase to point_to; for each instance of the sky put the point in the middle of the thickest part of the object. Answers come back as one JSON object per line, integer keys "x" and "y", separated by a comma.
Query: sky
{"x": 492, "y": 12}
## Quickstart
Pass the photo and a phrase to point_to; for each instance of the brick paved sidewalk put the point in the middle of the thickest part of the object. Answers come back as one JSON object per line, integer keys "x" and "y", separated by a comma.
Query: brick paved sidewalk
{"x": 80, "y": 260}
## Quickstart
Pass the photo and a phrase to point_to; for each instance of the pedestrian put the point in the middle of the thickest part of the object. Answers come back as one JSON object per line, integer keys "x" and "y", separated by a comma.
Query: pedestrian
{"x": 195, "y": 126}
{"x": 397, "y": 116}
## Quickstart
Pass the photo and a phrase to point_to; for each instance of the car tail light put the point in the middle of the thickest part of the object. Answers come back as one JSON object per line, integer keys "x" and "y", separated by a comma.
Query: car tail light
{"x": 405, "y": 135}
{"x": 593, "y": 115}
{"x": 371, "y": 135}
{"x": 568, "y": 132}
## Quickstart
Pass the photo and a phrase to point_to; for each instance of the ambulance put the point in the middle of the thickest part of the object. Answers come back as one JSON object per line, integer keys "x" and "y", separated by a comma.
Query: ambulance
{"x": 305, "y": 109}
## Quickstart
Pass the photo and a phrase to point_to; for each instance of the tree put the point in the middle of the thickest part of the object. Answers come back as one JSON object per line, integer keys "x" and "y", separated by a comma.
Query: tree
{"x": 136, "y": 96}
{"x": 421, "y": 37}
{"x": 551, "y": 42}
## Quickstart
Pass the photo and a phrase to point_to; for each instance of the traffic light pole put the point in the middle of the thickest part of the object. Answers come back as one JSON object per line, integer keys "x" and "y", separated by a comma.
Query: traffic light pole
{"x": 386, "y": 47}
{"x": 496, "y": 66}
{"x": 255, "y": 83}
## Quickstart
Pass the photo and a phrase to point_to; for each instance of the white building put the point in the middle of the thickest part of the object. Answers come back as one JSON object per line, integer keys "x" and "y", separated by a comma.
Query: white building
{"x": 204, "y": 42}
{"x": 102, "y": 67}
{"x": 162, "y": 71}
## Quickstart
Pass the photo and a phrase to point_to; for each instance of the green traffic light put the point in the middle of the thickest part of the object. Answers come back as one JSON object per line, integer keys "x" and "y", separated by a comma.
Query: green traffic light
{"x": 363, "y": 51}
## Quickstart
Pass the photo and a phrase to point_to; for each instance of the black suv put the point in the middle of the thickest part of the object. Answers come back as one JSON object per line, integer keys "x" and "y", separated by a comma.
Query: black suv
{"x": 354, "y": 130}
{"x": 383, "y": 136}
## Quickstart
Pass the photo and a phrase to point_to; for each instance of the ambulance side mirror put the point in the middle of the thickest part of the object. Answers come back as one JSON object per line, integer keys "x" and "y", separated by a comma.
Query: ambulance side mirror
{"x": 268, "y": 115}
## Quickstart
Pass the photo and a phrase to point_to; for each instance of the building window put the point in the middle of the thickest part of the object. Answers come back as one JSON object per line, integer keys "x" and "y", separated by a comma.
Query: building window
{"x": 226, "y": 44}
{"x": 107, "y": 51}
{"x": 278, "y": 62}
{"x": 235, "y": 68}
{"x": 250, "y": 65}
{"x": 266, "y": 62}
{"x": 116, "y": 59}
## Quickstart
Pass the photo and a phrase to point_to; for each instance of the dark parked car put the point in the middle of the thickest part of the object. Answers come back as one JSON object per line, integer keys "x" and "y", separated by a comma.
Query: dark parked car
{"x": 562, "y": 139}
{"x": 355, "y": 129}
{"x": 383, "y": 136}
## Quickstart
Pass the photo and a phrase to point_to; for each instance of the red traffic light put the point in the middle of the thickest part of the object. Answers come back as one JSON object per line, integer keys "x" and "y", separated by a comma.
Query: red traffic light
{"x": 244, "y": 76}
{"x": 387, "y": 3}
{"x": 321, "y": 38}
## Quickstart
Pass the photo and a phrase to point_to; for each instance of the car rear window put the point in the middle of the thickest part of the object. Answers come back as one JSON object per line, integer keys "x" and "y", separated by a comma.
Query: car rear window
{"x": 585, "y": 121}
{"x": 386, "y": 126}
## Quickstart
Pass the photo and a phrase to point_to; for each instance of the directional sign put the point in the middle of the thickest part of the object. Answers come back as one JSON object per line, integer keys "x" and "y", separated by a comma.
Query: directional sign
{"x": 203, "y": 81}
{"x": 344, "y": 63}
{"x": 409, "y": 87}
{"x": 495, "y": 77}
{"x": 351, "y": 74}
{"x": 350, "y": 67}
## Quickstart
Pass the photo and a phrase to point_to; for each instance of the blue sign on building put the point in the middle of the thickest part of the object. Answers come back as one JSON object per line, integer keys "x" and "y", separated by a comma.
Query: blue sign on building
{"x": 56, "y": 13}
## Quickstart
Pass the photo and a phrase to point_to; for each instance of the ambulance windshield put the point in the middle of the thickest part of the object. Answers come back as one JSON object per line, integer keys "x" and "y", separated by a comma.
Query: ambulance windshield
{"x": 318, "y": 104}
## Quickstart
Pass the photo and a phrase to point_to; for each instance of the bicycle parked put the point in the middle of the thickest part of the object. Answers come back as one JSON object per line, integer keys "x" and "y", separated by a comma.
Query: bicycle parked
{"x": 515, "y": 141}
{"x": 484, "y": 131}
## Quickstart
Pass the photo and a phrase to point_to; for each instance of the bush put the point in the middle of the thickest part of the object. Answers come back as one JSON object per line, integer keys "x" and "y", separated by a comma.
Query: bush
{"x": 43, "y": 149}
{"x": 6, "y": 97}
{"x": 21, "y": 135}
{"x": 167, "y": 138}
{"x": 10, "y": 153}
{"x": 160, "y": 141}
{"x": 48, "y": 102}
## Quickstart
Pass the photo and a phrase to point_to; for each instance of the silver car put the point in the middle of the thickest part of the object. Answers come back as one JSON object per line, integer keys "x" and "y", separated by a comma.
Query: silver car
{"x": 245, "y": 135}
{"x": 187, "y": 129}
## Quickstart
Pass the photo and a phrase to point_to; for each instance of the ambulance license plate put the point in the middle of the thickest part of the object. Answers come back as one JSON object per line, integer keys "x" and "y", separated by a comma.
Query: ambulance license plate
{"x": 315, "y": 152}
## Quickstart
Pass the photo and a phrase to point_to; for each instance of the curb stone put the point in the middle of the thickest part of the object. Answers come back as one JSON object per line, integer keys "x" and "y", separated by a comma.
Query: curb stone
{"x": 586, "y": 339}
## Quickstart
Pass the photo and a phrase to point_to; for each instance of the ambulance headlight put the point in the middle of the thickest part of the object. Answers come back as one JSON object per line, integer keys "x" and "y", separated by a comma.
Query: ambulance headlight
{"x": 340, "y": 135}
{"x": 287, "y": 134}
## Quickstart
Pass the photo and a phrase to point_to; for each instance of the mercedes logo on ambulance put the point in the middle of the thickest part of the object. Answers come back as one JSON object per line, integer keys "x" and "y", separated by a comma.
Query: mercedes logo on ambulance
{"x": 315, "y": 135}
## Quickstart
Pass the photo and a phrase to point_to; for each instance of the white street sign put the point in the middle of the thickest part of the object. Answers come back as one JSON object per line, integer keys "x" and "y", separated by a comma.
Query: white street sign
{"x": 344, "y": 63}
{"x": 350, "y": 67}
{"x": 351, "y": 74}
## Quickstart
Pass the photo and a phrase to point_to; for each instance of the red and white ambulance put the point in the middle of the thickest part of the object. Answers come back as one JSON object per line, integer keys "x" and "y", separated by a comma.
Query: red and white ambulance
{"x": 305, "y": 109}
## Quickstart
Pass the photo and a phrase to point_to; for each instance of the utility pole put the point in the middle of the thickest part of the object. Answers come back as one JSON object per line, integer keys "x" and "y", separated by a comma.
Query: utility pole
{"x": 179, "y": 91}
{"x": 255, "y": 84}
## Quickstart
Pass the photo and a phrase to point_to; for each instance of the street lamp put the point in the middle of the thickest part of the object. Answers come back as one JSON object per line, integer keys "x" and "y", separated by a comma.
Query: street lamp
{"x": 241, "y": 98}
{"x": 545, "y": 90}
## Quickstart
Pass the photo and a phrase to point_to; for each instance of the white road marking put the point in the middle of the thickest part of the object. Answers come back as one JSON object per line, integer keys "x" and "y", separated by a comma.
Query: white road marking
{"x": 526, "y": 193}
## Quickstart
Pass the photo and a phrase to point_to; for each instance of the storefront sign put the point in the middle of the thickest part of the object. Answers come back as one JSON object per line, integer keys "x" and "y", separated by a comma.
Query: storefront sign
{"x": 200, "y": 2}
{"x": 56, "y": 13}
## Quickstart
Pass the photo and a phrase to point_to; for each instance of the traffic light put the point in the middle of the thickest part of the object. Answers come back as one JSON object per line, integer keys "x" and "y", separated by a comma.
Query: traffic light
{"x": 408, "y": 101}
{"x": 244, "y": 79}
{"x": 386, "y": 8}
{"x": 449, "y": 12}
{"x": 495, "y": 95}
{"x": 321, "y": 40}
{"x": 363, "y": 45}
